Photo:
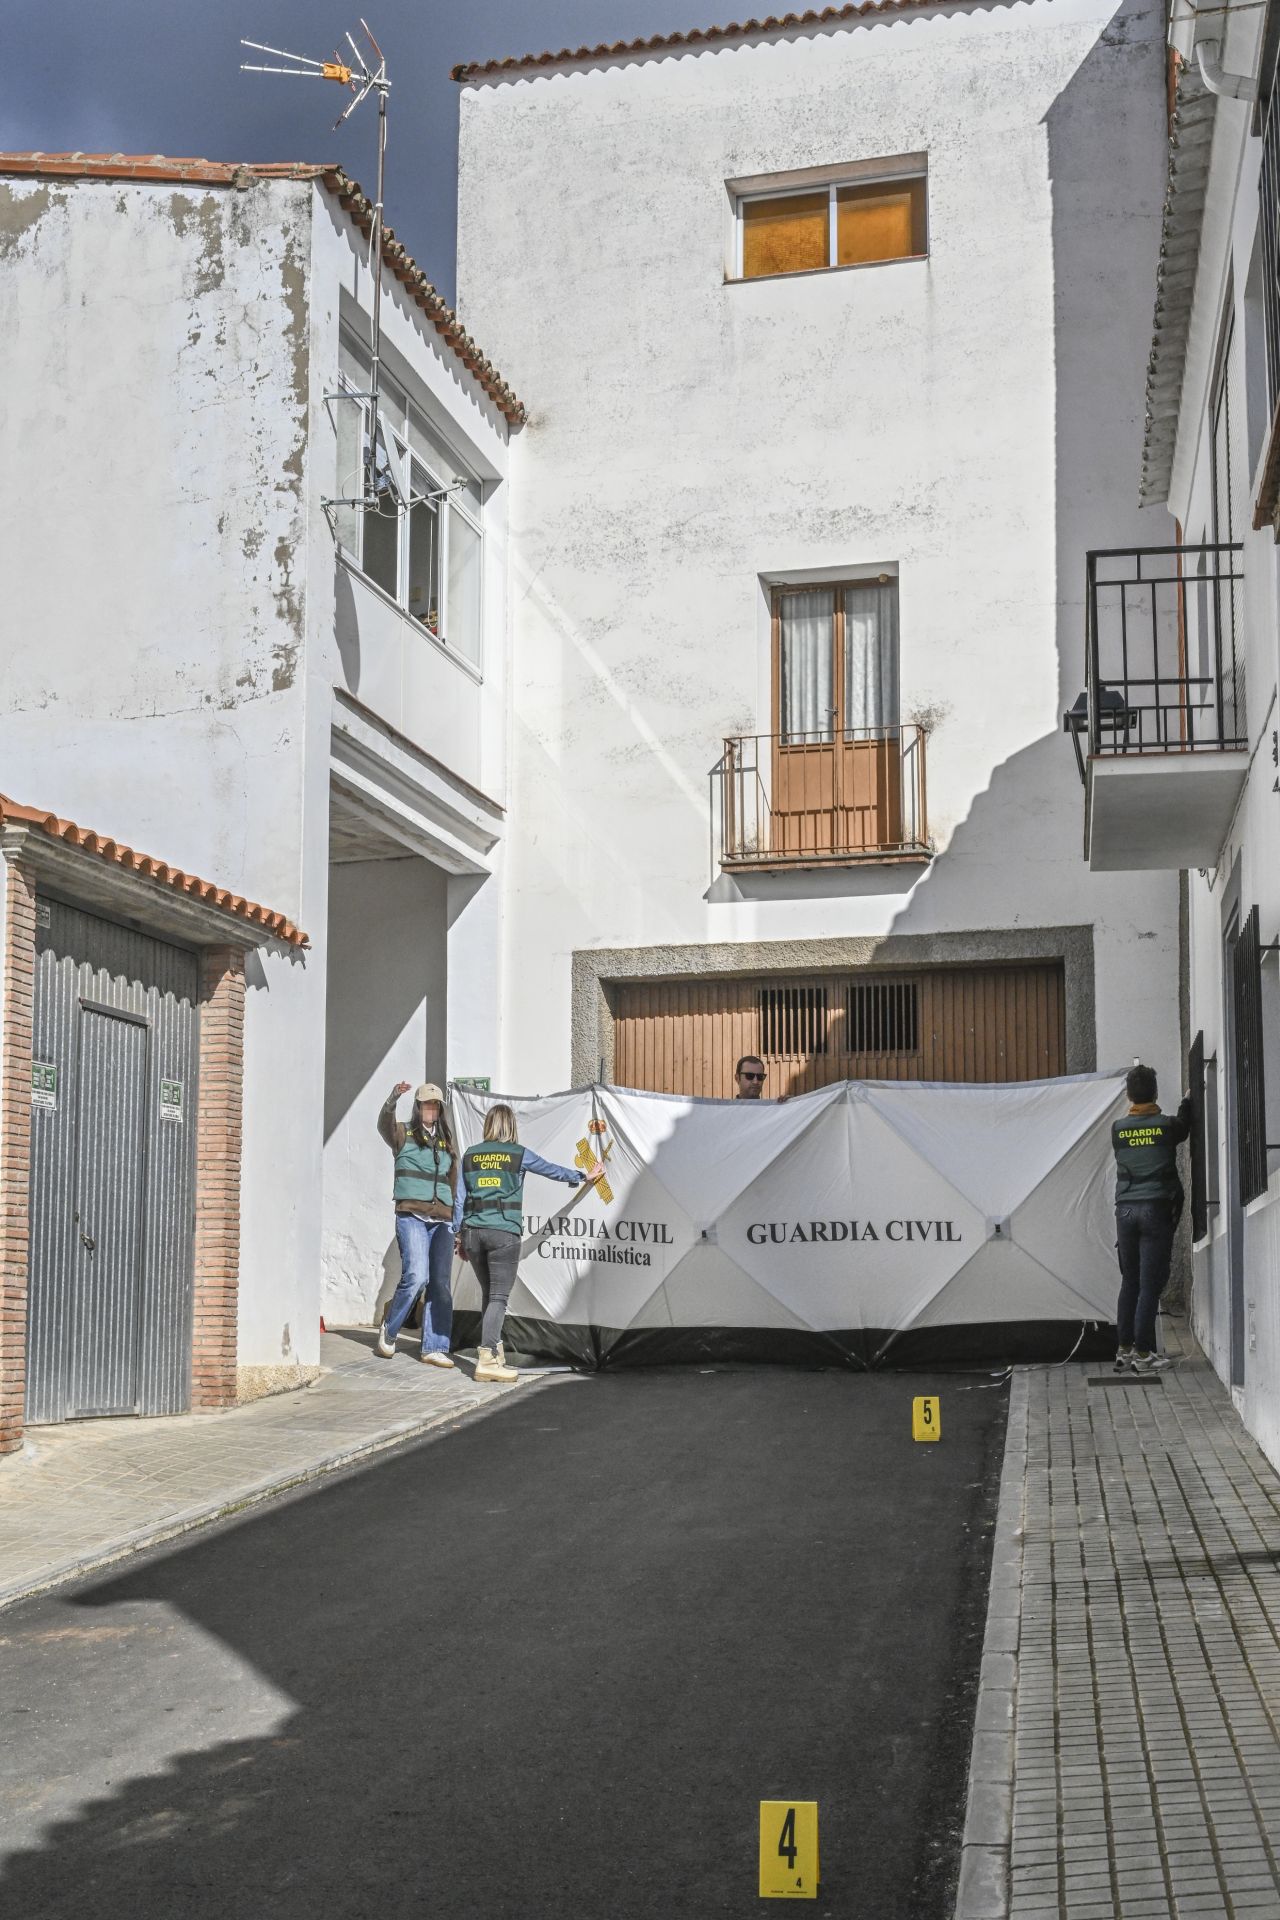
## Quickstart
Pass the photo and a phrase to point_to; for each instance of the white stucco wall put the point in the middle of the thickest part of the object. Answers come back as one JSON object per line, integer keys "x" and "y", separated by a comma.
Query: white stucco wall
{"x": 973, "y": 419}
{"x": 174, "y": 588}
{"x": 381, "y": 655}
{"x": 1248, "y": 870}
{"x": 158, "y": 522}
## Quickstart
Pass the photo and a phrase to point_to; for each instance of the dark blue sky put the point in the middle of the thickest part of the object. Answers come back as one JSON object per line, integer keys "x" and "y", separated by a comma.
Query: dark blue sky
{"x": 161, "y": 76}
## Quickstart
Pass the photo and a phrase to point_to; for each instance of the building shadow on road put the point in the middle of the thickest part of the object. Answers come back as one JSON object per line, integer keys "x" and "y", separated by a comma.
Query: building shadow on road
{"x": 548, "y": 1665}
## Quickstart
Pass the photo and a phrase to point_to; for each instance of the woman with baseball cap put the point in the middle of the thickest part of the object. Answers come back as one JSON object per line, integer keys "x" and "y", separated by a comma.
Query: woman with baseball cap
{"x": 427, "y": 1198}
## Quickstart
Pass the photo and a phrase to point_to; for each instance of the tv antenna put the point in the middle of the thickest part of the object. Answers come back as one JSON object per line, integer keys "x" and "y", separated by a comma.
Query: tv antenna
{"x": 360, "y": 78}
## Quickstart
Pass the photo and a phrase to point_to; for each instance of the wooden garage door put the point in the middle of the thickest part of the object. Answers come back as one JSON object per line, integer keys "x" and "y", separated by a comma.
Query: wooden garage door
{"x": 949, "y": 1023}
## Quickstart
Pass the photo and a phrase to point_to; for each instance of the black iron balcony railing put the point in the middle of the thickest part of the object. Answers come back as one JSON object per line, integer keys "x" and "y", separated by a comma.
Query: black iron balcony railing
{"x": 830, "y": 797}
{"x": 1164, "y": 653}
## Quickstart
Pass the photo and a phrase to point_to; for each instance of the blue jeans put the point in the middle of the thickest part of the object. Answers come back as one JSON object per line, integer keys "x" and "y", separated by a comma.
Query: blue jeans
{"x": 426, "y": 1261}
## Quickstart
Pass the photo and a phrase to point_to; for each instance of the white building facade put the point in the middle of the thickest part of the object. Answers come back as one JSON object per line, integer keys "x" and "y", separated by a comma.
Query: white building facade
{"x": 1183, "y": 769}
{"x": 833, "y": 336}
{"x": 300, "y": 702}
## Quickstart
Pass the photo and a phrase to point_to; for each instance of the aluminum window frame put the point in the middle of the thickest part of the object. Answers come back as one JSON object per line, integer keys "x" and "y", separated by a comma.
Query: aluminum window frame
{"x": 397, "y": 432}
{"x": 833, "y": 186}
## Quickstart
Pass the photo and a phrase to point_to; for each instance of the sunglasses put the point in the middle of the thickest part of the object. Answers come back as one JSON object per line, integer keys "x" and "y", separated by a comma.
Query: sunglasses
{"x": 751, "y": 1076}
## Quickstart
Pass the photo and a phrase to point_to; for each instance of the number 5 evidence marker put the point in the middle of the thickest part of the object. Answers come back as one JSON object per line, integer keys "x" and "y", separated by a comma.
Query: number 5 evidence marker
{"x": 788, "y": 1849}
{"x": 926, "y": 1418}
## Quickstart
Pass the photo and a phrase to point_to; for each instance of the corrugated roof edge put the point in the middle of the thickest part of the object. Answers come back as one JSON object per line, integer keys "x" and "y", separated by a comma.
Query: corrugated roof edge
{"x": 699, "y": 36}
{"x": 1190, "y": 146}
{"x": 115, "y": 853}
{"x": 163, "y": 168}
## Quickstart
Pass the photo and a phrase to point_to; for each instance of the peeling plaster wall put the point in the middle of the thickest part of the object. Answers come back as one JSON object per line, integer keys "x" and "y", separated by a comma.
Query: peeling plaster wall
{"x": 157, "y": 398}
{"x": 974, "y": 420}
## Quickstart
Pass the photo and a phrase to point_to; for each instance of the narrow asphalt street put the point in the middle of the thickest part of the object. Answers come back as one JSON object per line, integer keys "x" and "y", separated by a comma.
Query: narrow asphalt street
{"x": 547, "y": 1664}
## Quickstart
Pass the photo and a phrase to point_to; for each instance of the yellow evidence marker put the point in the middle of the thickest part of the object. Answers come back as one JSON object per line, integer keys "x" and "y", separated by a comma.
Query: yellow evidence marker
{"x": 788, "y": 1849}
{"x": 585, "y": 1157}
{"x": 926, "y": 1418}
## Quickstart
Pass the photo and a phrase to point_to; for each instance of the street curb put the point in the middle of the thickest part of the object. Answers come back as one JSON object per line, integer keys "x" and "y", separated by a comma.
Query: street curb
{"x": 983, "y": 1893}
{"x": 256, "y": 1494}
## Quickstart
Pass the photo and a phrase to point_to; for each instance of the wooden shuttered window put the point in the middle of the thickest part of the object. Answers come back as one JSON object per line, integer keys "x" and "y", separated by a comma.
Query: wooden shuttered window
{"x": 997, "y": 1023}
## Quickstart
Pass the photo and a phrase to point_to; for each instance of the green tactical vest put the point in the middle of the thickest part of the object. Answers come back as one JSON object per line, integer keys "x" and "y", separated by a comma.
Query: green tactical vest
{"x": 422, "y": 1174}
{"x": 1146, "y": 1158}
{"x": 494, "y": 1179}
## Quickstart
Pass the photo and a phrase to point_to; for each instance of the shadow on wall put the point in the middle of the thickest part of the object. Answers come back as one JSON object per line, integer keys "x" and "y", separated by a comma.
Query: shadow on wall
{"x": 386, "y": 981}
{"x": 1030, "y": 818}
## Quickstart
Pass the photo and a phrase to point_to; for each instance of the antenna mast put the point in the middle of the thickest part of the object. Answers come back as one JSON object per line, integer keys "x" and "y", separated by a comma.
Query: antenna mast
{"x": 361, "y": 79}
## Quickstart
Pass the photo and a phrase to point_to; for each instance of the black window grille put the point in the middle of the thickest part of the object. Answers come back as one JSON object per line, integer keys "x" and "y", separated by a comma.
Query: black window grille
{"x": 1250, "y": 1087}
{"x": 882, "y": 1016}
{"x": 1199, "y": 1144}
{"x": 793, "y": 1020}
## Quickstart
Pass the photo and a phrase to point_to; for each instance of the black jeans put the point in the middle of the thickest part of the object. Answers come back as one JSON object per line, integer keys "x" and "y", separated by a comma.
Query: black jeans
{"x": 1144, "y": 1241}
{"x": 494, "y": 1256}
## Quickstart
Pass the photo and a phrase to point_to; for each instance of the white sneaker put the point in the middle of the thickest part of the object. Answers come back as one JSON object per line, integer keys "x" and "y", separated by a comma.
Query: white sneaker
{"x": 1149, "y": 1363}
{"x": 1124, "y": 1359}
{"x": 435, "y": 1359}
{"x": 382, "y": 1345}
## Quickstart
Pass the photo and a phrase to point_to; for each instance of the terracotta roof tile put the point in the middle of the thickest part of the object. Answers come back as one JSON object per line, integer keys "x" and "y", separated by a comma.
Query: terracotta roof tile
{"x": 241, "y": 174}
{"x": 697, "y": 36}
{"x": 115, "y": 853}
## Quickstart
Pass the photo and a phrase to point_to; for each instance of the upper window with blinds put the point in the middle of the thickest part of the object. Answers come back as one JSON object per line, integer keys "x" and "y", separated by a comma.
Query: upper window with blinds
{"x": 851, "y": 222}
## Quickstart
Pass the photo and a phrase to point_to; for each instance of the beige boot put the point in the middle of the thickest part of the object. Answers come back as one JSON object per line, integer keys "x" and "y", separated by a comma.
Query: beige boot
{"x": 492, "y": 1366}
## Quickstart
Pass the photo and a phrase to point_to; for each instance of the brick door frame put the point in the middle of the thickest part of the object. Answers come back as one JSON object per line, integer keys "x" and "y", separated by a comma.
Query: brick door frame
{"x": 219, "y": 1113}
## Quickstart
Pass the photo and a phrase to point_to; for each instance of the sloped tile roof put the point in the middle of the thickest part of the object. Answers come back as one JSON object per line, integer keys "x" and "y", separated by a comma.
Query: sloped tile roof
{"x": 116, "y": 854}
{"x": 164, "y": 169}
{"x": 697, "y": 36}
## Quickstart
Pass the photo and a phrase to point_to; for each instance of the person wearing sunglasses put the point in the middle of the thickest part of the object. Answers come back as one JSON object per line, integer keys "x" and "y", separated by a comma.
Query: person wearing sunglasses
{"x": 749, "y": 1075}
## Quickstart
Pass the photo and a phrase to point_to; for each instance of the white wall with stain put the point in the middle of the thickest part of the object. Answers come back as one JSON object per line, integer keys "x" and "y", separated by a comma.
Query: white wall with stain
{"x": 181, "y": 632}
{"x": 973, "y": 419}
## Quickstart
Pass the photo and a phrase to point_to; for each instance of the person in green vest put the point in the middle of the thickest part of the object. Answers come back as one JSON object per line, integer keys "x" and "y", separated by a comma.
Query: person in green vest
{"x": 1148, "y": 1206}
{"x": 493, "y": 1177}
{"x": 428, "y": 1204}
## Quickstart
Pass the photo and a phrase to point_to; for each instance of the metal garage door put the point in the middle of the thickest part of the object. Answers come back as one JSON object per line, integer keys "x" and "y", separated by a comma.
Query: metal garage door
{"x": 992, "y": 1023}
{"x": 112, "y": 1170}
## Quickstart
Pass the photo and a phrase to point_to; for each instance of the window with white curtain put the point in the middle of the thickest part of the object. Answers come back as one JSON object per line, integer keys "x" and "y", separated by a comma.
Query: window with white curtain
{"x": 836, "y": 652}
{"x": 870, "y": 655}
{"x": 806, "y": 665}
{"x": 423, "y": 543}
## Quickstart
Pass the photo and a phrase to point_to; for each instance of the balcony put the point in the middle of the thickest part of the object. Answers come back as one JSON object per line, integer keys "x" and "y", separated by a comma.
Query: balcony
{"x": 1159, "y": 733}
{"x": 843, "y": 797}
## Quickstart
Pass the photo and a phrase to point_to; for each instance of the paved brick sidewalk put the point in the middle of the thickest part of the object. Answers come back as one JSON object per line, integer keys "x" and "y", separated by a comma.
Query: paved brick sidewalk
{"x": 1127, "y": 1754}
{"x": 90, "y": 1490}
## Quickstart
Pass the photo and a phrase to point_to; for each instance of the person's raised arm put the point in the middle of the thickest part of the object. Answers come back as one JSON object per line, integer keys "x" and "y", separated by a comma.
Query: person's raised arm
{"x": 1182, "y": 1120}
{"x": 550, "y": 1170}
{"x": 388, "y": 1126}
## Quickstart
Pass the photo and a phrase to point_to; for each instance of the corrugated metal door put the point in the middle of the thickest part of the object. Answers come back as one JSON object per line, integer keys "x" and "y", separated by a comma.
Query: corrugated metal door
{"x": 112, "y": 1170}
{"x": 106, "y": 1267}
{"x": 996, "y": 1023}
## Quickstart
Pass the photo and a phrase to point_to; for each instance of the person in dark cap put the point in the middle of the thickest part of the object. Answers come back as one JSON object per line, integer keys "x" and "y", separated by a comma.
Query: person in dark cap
{"x": 1148, "y": 1207}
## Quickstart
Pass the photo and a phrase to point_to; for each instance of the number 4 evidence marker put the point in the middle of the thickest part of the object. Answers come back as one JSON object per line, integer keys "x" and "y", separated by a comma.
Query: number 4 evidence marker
{"x": 788, "y": 1849}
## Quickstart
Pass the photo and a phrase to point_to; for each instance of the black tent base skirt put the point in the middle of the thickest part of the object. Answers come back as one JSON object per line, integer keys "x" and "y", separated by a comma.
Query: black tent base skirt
{"x": 992, "y": 1343}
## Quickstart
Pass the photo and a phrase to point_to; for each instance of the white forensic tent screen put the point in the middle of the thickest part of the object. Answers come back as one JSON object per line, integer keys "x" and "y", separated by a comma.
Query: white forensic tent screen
{"x": 880, "y": 1219}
